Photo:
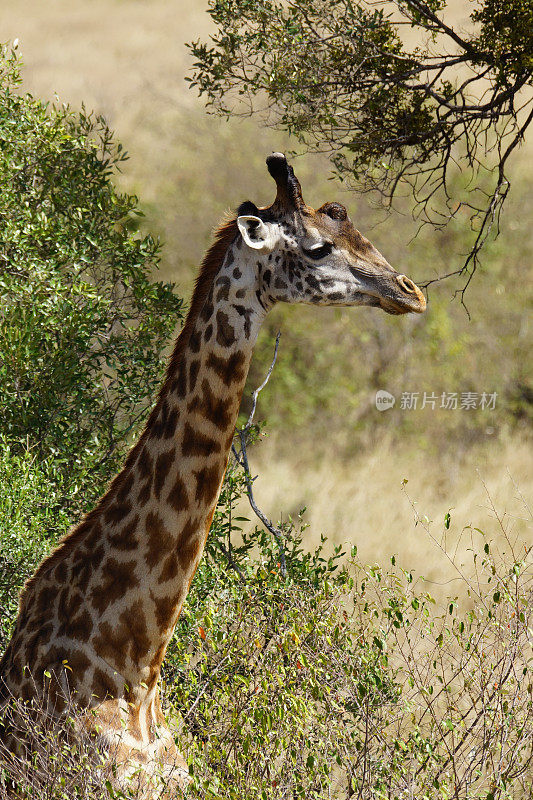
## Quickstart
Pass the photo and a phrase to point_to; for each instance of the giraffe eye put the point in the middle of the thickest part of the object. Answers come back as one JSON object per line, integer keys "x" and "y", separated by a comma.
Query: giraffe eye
{"x": 318, "y": 251}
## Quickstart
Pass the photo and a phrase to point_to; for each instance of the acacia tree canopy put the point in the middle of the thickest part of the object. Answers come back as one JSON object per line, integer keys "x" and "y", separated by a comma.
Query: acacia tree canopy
{"x": 341, "y": 77}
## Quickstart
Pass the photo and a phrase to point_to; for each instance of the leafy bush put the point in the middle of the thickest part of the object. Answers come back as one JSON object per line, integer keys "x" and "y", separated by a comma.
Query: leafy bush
{"x": 341, "y": 680}
{"x": 82, "y": 326}
{"x": 336, "y": 680}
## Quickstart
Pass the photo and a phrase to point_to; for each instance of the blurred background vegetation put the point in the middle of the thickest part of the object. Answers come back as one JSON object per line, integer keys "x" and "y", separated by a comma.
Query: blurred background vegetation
{"x": 328, "y": 447}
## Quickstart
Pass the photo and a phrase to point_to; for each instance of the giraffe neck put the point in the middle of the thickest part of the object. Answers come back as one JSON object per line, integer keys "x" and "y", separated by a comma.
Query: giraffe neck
{"x": 157, "y": 514}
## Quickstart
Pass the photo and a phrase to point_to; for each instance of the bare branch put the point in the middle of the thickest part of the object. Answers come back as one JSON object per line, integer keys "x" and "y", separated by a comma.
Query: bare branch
{"x": 255, "y": 394}
{"x": 242, "y": 459}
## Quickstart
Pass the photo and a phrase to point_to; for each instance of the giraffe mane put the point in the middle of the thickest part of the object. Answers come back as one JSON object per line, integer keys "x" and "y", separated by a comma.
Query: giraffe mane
{"x": 224, "y": 236}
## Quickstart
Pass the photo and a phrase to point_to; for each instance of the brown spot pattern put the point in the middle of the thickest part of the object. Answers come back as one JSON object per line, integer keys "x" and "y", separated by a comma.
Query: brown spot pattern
{"x": 195, "y": 443}
{"x": 92, "y": 540}
{"x": 160, "y": 539}
{"x": 103, "y": 685}
{"x": 207, "y": 311}
{"x": 156, "y": 664}
{"x": 178, "y": 497}
{"x": 61, "y": 572}
{"x": 96, "y": 557}
{"x": 171, "y": 423}
{"x": 83, "y": 571}
{"x": 188, "y": 543}
{"x": 117, "y": 578}
{"x": 144, "y": 493}
{"x": 125, "y": 538}
{"x": 228, "y": 370}
{"x": 117, "y": 513}
{"x": 165, "y": 610}
{"x": 125, "y": 488}
{"x": 45, "y": 599}
{"x": 179, "y": 384}
{"x": 247, "y": 314}
{"x": 157, "y": 421}
{"x": 111, "y": 645}
{"x": 211, "y": 407}
{"x": 145, "y": 464}
{"x": 207, "y": 483}
{"x": 170, "y": 568}
{"x": 195, "y": 341}
{"x": 94, "y": 552}
{"x": 225, "y": 331}
{"x": 80, "y": 627}
{"x": 163, "y": 464}
{"x": 133, "y": 622}
{"x": 223, "y": 284}
{"x": 79, "y": 663}
{"x": 70, "y": 602}
{"x": 194, "y": 368}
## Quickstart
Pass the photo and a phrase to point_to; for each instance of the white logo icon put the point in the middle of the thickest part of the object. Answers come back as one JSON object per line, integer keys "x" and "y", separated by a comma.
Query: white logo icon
{"x": 384, "y": 400}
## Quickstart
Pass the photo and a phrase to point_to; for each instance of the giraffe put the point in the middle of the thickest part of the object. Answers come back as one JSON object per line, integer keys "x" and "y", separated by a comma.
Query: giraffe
{"x": 98, "y": 613}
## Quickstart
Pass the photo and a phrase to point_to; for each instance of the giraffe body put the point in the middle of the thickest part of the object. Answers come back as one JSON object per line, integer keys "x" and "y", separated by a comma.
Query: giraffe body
{"x": 100, "y": 610}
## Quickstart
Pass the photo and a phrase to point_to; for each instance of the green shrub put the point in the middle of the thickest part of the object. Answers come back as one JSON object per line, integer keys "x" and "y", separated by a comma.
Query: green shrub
{"x": 82, "y": 326}
{"x": 329, "y": 681}
{"x": 346, "y": 682}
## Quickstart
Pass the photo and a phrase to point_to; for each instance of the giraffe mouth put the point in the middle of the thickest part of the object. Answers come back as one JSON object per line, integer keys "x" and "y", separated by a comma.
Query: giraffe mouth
{"x": 395, "y": 306}
{"x": 395, "y": 294}
{"x": 408, "y": 305}
{"x": 403, "y": 297}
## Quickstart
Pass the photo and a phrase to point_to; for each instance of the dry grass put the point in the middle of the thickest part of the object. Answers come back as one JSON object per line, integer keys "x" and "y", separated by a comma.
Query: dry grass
{"x": 49, "y": 754}
{"x": 363, "y": 502}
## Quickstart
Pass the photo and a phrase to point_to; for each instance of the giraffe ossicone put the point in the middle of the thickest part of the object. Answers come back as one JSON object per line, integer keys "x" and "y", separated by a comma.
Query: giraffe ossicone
{"x": 105, "y": 602}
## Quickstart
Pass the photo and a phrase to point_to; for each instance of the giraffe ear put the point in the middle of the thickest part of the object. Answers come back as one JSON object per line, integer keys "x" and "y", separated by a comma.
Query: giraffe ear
{"x": 256, "y": 234}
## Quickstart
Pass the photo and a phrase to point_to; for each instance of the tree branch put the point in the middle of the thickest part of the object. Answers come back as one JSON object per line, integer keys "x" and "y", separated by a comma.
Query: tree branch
{"x": 242, "y": 459}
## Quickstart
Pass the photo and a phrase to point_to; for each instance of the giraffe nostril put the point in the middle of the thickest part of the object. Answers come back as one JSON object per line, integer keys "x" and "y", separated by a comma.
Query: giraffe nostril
{"x": 406, "y": 284}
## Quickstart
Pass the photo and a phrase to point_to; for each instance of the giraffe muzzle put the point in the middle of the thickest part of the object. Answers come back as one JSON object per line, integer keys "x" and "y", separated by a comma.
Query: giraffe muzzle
{"x": 405, "y": 298}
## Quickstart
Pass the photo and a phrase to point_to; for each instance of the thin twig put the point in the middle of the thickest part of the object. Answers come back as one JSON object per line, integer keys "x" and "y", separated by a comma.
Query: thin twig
{"x": 260, "y": 388}
{"x": 242, "y": 459}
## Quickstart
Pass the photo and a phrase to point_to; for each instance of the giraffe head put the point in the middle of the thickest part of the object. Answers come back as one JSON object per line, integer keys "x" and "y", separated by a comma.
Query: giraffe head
{"x": 317, "y": 256}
